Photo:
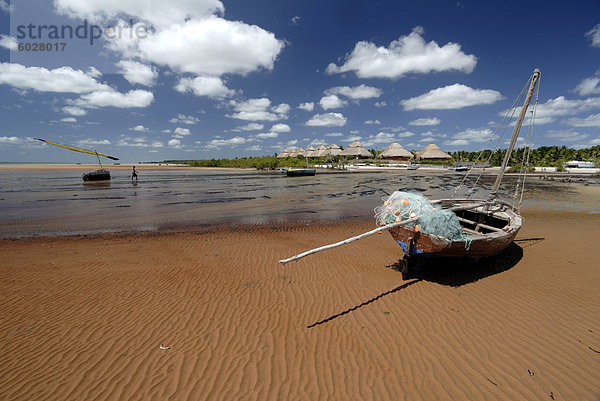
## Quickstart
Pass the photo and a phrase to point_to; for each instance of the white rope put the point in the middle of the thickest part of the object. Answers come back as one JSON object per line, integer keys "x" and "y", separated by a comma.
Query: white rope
{"x": 504, "y": 123}
{"x": 529, "y": 141}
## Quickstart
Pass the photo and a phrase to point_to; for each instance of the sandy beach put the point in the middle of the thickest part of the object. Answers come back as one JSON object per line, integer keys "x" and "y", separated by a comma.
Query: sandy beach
{"x": 83, "y": 317}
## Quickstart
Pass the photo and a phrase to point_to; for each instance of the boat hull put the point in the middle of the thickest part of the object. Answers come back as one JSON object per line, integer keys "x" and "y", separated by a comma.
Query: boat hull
{"x": 299, "y": 172}
{"x": 98, "y": 175}
{"x": 476, "y": 245}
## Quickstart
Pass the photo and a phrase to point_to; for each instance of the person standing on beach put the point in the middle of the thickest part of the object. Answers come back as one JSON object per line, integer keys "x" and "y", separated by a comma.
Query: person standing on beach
{"x": 133, "y": 174}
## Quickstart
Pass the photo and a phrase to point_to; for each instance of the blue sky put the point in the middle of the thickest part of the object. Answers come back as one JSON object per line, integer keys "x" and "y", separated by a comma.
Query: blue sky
{"x": 194, "y": 79}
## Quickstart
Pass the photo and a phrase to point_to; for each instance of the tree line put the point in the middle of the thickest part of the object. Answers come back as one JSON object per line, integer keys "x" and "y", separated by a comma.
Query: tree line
{"x": 544, "y": 156}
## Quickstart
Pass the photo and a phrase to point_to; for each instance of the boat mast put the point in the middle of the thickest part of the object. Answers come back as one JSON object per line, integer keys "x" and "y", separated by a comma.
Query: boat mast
{"x": 99, "y": 162}
{"x": 534, "y": 80}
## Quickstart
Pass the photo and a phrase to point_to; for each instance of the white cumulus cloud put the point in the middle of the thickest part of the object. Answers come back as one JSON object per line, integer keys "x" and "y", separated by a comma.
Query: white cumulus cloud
{"x": 425, "y": 121}
{"x": 280, "y": 128}
{"x": 174, "y": 143}
{"x": 327, "y": 120}
{"x": 11, "y": 140}
{"x": 592, "y": 120}
{"x": 266, "y": 135}
{"x": 308, "y": 106}
{"x": 184, "y": 119}
{"x": 137, "y": 73}
{"x": 408, "y": 54}
{"x": 139, "y": 128}
{"x": 112, "y": 98}
{"x": 470, "y": 135}
{"x": 63, "y": 79}
{"x": 560, "y": 106}
{"x": 157, "y": 13}
{"x": 5, "y": 6}
{"x": 589, "y": 86}
{"x": 187, "y": 36}
{"x": 216, "y": 143}
{"x": 8, "y": 42}
{"x": 212, "y": 87}
{"x": 180, "y": 132}
{"x": 68, "y": 80}
{"x": 594, "y": 35}
{"x": 208, "y": 47}
{"x": 259, "y": 109}
{"x": 74, "y": 111}
{"x": 249, "y": 127}
{"x": 332, "y": 102}
{"x": 455, "y": 96}
{"x": 355, "y": 93}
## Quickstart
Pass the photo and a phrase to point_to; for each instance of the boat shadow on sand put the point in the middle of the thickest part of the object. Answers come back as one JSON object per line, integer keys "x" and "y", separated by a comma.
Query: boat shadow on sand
{"x": 455, "y": 274}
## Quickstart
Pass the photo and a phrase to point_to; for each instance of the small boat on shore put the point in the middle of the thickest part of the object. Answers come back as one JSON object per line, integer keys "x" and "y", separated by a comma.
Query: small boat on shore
{"x": 450, "y": 228}
{"x": 97, "y": 175}
{"x": 300, "y": 172}
{"x": 483, "y": 227}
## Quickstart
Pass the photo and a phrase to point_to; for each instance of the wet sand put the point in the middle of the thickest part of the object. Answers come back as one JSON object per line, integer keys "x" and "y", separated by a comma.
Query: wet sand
{"x": 108, "y": 166}
{"x": 83, "y": 317}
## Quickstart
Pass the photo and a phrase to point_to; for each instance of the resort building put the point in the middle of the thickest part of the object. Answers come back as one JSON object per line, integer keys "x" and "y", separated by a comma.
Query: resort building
{"x": 333, "y": 150}
{"x": 321, "y": 151}
{"x": 396, "y": 152}
{"x": 310, "y": 152}
{"x": 356, "y": 150}
{"x": 433, "y": 152}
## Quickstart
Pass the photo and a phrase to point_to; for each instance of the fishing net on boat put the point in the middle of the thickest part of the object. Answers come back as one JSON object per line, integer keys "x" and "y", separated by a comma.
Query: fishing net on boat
{"x": 432, "y": 219}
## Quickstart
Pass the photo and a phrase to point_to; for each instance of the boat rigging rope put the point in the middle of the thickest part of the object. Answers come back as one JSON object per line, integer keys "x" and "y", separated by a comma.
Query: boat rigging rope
{"x": 527, "y": 154}
{"x": 510, "y": 113}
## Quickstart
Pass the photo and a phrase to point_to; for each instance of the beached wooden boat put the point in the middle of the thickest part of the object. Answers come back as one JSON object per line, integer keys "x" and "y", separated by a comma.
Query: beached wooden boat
{"x": 489, "y": 229}
{"x": 97, "y": 175}
{"x": 299, "y": 172}
{"x": 488, "y": 225}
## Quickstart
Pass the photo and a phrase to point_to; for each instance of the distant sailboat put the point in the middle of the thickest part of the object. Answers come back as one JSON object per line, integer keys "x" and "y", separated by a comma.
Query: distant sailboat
{"x": 97, "y": 175}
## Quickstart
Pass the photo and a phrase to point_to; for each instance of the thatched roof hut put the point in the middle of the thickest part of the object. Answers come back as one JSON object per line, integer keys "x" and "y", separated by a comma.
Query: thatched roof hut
{"x": 284, "y": 153}
{"x": 333, "y": 150}
{"x": 356, "y": 149}
{"x": 321, "y": 151}
{"x": 433, "y": 152}
{"x": 396, "y": 152}
{"x": 310, "y": 152}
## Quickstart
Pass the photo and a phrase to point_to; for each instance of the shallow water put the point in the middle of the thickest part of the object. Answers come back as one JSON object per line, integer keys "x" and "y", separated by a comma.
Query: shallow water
{"x": 59, "y": 202}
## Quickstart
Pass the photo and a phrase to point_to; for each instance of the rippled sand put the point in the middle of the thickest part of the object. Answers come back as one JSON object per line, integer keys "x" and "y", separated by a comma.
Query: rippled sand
{"x": 83, "y": 317}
